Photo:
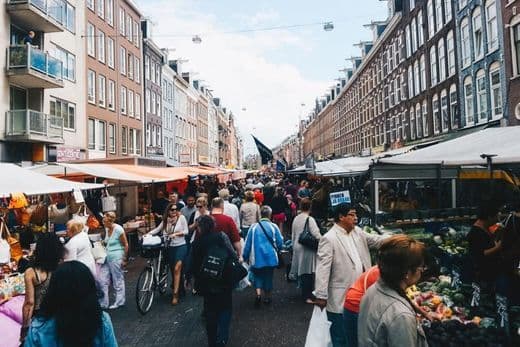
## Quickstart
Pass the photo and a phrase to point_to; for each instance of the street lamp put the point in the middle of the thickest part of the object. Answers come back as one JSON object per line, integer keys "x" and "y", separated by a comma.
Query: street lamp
{"x": 196, "y": 39}
{"x": 328, "y": 26}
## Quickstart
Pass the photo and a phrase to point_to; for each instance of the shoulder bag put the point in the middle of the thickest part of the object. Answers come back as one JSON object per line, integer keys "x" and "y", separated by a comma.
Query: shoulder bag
{"x": 307, "y": 239}
{"x": 281, "y": 263}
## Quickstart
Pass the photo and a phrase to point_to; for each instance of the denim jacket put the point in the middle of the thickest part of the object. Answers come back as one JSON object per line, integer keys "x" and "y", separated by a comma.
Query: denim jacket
{"x": 259, "y": 251}
{"x": 43, "y": 333}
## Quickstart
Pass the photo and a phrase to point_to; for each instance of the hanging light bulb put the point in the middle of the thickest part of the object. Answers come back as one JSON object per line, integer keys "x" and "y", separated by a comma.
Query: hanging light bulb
{"x": 196, "y": 39}
{"x": 328, "y": 26}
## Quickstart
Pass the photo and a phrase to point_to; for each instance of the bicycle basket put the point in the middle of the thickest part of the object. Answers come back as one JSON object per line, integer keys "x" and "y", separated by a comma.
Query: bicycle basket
{"x": 151, "y": 251}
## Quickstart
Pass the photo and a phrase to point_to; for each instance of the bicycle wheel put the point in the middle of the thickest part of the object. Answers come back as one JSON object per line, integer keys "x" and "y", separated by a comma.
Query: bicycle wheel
{"x": 145, "y": 291}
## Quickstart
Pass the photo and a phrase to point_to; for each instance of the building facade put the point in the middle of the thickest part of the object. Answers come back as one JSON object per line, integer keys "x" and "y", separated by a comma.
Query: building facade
{"x": 481, "y": 69}
{"x": 510, "y": 10}
{"x": 168, "y": 115}
{"x": 202, "y": 122}
{"x": 213, "y": 134}
{"x": 154, "y": 59}
{"x": 43, "y": 97}
{"x": 114, "y": 79}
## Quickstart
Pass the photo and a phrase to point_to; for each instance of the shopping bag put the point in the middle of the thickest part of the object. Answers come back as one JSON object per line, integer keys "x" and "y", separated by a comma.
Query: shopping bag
{"x": 318, "y": 334}
{"x": 39, "y": 214}
{"x": 81, "y": 215}
{"x": 244, "y": 282}
{"x": 109, "y": 203}
{"x": 99, "y": 252}
{"x": 58, "y": 215}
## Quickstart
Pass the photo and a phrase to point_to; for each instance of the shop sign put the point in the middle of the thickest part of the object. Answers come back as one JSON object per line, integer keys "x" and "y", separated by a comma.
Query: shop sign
{"x": 64, "y": 153}
{"x": 339, "y": 198}
{"x": 185, "y": 159}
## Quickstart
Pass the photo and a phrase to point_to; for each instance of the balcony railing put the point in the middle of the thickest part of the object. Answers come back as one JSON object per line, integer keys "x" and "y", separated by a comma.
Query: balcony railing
{"x": 39, "y": 15}
{"x": 25, "y": 59}
{"x": 33, "y": 126}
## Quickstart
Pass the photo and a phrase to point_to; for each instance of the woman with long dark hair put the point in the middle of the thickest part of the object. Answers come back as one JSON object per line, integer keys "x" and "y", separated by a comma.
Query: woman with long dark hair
{"x": 387, "y": 317}
{"x": 70, "y": 313}
{"x": 46, "y": 257}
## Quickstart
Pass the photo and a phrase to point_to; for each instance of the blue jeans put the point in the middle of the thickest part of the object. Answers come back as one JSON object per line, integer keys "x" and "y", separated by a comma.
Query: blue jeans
{"x": 337, "y": 329}
{"x": 351, "y": 318}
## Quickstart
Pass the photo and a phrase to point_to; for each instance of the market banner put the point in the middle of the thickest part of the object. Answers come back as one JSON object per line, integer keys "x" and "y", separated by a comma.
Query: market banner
{"x": 337, "y": 198}
{"x": 265, "y": 153}
{"x": 280, "y": 166}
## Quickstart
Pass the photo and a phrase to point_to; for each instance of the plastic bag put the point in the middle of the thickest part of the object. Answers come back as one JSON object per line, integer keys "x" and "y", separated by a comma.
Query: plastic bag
{"x": 99, "y": 252}
{"x": 318, "y": 334}
{"x": 244, "y": 282}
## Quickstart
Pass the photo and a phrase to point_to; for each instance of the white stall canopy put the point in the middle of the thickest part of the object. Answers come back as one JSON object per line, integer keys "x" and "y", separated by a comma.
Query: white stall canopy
{"x": 501, "y": 144}
{"x": 15, "y": 179}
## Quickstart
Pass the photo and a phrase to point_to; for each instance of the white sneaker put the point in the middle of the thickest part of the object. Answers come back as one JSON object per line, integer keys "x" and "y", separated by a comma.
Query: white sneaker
{"x": 114, "y": 306}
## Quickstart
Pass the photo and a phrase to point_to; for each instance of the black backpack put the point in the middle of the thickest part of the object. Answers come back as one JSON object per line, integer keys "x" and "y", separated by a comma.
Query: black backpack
{"x": 215, "y": 269}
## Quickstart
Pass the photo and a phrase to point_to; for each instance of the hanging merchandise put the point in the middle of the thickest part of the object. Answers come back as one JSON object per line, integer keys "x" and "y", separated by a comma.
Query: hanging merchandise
{"x": 108, "y": 202}
{"x": 58, "y": 215}
{"x": 14, "y": 244}
{"x": 18, "y": 200}
{"x": 92, "y": 222}
{"x": 39, "y": 214}
{"x": 82, "y": 216}
{"x": 78, "y": 196}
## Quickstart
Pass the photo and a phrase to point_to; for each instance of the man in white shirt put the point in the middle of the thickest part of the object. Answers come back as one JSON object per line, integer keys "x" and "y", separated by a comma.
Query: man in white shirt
{"x": 78, "y": 247}
{"x": 230, "y": 209}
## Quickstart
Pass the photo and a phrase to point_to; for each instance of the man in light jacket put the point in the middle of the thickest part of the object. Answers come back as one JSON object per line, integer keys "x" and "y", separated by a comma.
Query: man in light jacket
{"x": 343, "y": 255}
{"x": 230, "y": 209}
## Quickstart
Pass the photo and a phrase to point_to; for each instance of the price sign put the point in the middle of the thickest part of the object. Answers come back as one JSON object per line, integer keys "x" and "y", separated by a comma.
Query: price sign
{"x": 339, "y": 198}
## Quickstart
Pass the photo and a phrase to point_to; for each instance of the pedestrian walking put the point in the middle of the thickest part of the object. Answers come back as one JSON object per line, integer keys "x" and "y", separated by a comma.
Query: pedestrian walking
{"x": 46, "y": 257}
{"x": 304, "y": 191}
{"x": 79, "y": 247}
{"x": 226, "y": 224}
{"x": 343, "y": 255}
{"x": 174, "y": 229}
{"x": 111, "y": 272}
{"x": 249, "y": 213}
{"x": 230, "y": 209}
{"x": 387, "y": 317}
{"x": 279, "y": 205}
{"x": 263, "y": 241}
{"x": 70, "y": 312}
{"x": 303, "y": 264}
{"x": 212, "y": 252}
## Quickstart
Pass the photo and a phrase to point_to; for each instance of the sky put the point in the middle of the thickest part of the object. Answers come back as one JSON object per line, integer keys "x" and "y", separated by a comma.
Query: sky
{"x": 264, "y": 77}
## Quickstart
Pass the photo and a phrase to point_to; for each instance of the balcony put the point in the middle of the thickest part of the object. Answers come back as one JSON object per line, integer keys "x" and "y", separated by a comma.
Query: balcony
{"x": 38, "y": 15}
{"x": 33, "y": 126}
{"x": 30, "y": 67}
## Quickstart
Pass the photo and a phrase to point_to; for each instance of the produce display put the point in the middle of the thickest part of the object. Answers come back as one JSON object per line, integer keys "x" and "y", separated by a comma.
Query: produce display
{"x": 457, "y": 334}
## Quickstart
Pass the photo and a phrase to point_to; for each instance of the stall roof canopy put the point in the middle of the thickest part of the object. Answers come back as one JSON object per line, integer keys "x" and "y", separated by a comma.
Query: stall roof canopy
{"x": 501, "y": 143}
{"x": 138, "y": 173}
{"x": 15, "y": 179}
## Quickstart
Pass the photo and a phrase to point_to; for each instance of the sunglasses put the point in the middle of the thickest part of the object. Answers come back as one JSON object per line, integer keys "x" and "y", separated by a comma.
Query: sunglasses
{"x": 199, "y": 206}
{"x": 173, "y": 209}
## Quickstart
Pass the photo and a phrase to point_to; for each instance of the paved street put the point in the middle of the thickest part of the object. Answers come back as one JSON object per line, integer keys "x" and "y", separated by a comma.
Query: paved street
{"x": 284, "y": 323}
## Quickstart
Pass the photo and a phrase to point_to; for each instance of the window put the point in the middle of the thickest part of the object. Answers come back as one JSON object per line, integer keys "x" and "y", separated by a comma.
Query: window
{"x": 454, "y": 109}
{"x": 137, "y": 68}
{"x": 130, "y": 103}
{"x": 90, "y": 4}
{"x": 496, "y": 95}
{"x": 68, "y": 61}
{"x": 147, "y": 67}
{"x": 148, "y": 101}
{"x": 101, "y": 90}
{"x": 70, "y": 17}
{"x": 468, "y": 100}
{"x": 112, "y": 138}
{"x": 438, "y": 14}
{"x": 419, "y": 121}
{"x": 122, "y": 100}
{"x": 492, "y": 26}
{"x": 65, "y": 110}
{"x": 408, "y": 41}
{"x": 436, "y": 114}
{"x": 152, "y": 71}
{"x": 136, "y": 34}
{"x": 433, "y": 63}
{"x": 110, "y": 53}
{"x": 102, "y": 135}
{"x": 137, "y": 106}
{"x": 414, "y": 35}
{"x": 124, "y": 141}
{"x": 417, "y": 81}
{"x": 91, "y": 133}
{"x": 148, "y": 134}
{"x": 420, "y": 27}
{"x": 442, "y": 60}
{"x": 410, "y": 83}
{"x": 481, "y": 96}
{"x": 466, "y": 50}
{"x": 122, "y": 60}
{"x": 91, "y": 36}
{"x": 158, "y": 136}
{"x": 422, "y": 66}
{"x": 451, "y": 53}
{"x": 431, "y": 18}
{"x": 447, "y": 10}
{"x": 129, "y": 27}
{"x": 131, "y": 140}
{"x": 477, "y": 33}
{"x": 101, "y": 46}
{"x": 91, "y": 86}
{"x": 137, "y": 142}
{"x": 122, "y": 21}
{"x": 110, "y": 12}
{"x": 154, "y": 105}
{"x": 130, "y": 66}
{"x": 413, "y": 129}
{"x": 515, "y": 49}
{"x": 111, "y": 95}
{"x": 101, "y": 8}
{"x": 445, "y": 120}
{"x": 426, "y": 129}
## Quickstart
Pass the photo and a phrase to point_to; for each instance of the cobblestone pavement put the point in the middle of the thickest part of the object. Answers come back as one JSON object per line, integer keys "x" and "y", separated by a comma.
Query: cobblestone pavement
{"x": 284, "y": 323}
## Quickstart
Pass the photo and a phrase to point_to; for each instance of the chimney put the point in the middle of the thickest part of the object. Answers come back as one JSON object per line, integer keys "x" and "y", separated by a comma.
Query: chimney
{"x": 146, "y": 28}
{"x": 186, "y": 76}
{"x": 216, "y": 101}
{"x": 174, "y": 65}
{"x": 196, "y": 84}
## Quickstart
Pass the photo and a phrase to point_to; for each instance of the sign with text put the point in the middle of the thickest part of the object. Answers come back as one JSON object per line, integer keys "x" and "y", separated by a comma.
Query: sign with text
{"x": 64, "y": 153}
{"x": 337, "y": 198}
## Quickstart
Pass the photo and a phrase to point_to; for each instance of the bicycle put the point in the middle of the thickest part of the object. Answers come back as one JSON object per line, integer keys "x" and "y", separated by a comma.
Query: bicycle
{"x": 153, "y": 277}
